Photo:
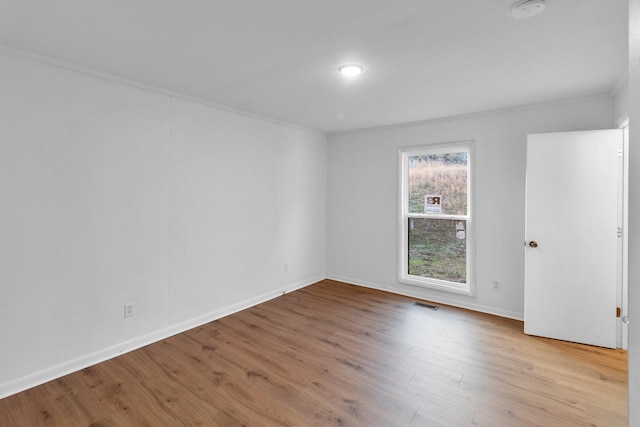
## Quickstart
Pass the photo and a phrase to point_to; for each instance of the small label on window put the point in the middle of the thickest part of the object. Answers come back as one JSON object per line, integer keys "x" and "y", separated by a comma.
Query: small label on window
{"x": 433, "y": 203}
{"x": 460, "y": 231}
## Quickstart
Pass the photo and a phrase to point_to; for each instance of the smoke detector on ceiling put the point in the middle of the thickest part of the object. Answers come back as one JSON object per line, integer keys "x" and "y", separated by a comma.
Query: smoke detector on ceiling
{"x": 528, "y": 8}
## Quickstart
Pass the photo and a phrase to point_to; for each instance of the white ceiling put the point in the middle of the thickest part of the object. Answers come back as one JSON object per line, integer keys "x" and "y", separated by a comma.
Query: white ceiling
{"x": 424, "y": 59}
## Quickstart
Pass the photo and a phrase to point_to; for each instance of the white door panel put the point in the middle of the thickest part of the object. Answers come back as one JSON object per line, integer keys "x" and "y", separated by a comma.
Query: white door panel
{"x": 571, "y": 213}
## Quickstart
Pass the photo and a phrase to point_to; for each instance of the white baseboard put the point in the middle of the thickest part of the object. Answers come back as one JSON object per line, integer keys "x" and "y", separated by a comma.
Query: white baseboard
{"x": 46, "y": 375}
{"x": 441, "y": 299}
{"x": 41, "y": 377}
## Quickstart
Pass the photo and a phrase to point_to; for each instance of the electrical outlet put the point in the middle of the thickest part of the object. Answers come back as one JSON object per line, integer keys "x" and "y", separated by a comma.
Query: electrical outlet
{"x": 286, "y": 268}
{"x": 496, "y": 285}
{"x": 128, "y": 310}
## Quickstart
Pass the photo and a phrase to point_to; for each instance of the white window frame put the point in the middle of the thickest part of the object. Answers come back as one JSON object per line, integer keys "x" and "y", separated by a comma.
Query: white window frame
{"x": 404, "y": 277}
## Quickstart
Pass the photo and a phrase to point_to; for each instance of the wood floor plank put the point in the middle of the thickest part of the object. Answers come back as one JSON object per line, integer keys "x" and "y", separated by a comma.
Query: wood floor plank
{"x": 334, "y": 354}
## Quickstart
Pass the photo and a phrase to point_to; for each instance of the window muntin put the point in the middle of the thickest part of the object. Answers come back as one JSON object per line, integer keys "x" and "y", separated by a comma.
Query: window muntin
{"x": 435, "y": 236}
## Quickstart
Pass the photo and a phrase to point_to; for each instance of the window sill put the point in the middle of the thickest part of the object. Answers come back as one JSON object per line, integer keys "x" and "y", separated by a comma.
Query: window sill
{"x": 438, "y": 285}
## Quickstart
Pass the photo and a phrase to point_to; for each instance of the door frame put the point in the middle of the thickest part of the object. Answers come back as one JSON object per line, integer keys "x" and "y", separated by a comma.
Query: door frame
{"x": 623, "y": 285}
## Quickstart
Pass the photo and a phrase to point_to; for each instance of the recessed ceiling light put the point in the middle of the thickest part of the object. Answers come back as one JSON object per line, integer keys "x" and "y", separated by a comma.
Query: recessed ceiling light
{"x": 527, "y": 9}
{"x": 350, "y": 70}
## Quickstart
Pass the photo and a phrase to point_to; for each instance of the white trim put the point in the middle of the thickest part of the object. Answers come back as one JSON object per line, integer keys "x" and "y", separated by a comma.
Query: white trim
{"x": 470, "y": 115}
{"x": 621, "y": 240}
{"x": 91, "y": 72}
{"x": 441, "y": 299}
{"x": 623, "y": 120}
{"x": 469, "y": 288}
{"x": 624, "y": 327}
{"x": 41, "y": 377}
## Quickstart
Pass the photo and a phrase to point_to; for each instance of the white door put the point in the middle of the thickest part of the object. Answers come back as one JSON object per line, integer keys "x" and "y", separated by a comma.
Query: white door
{"x": 572, "y": 236}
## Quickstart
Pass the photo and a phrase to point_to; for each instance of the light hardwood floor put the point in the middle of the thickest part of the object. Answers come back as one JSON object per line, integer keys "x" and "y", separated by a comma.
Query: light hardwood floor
{"x": 339, "y": 355}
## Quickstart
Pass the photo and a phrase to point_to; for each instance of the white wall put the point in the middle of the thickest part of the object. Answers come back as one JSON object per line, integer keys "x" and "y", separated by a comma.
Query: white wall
{"x": 363, "y": 197}
{"x": 112, "y": 194}
{"x": 634, "y": 212}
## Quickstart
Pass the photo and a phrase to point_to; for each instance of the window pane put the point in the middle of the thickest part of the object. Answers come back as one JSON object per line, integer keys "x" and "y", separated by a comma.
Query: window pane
{"x": 438, "y": 183}
{"x": 438, "y": 249}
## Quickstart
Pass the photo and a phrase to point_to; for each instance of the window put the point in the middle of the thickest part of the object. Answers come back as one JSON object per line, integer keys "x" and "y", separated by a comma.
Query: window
{"x": 435, "y": 222}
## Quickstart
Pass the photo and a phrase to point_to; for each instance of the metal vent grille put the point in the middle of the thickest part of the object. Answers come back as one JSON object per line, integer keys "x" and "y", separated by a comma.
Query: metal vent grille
{"x": 425, "y": 305}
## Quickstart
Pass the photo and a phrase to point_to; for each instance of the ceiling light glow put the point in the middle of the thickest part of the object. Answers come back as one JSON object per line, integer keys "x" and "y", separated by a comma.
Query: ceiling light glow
{"x": 350, "y": 70}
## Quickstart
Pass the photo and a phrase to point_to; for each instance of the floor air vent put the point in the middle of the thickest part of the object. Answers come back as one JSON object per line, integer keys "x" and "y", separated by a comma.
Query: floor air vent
{"x": 425, "y": 305}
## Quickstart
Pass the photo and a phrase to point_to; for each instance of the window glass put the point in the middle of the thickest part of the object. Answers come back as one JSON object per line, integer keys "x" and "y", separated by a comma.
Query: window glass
{"x": 438, "y": 175}
{"x": 438, "y": 249}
